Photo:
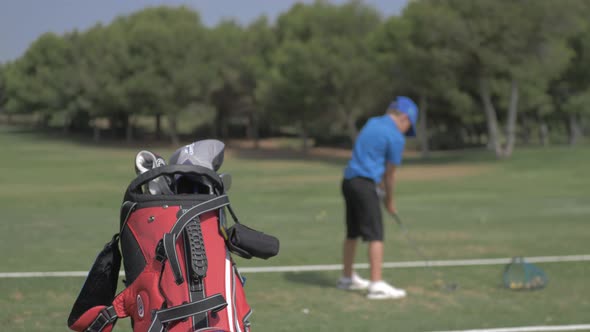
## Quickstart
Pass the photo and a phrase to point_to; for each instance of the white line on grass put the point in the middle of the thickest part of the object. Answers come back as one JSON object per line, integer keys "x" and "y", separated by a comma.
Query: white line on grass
{"x": 542, "y": 328}
{"x": 395, "y": 265}
{"x": 335, "y": 267}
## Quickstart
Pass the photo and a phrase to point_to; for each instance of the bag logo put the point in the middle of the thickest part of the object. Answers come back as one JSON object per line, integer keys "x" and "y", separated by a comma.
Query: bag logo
{"x": 140, "y": 309}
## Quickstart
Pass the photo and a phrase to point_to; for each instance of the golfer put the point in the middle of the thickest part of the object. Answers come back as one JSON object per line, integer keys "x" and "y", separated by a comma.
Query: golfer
{"x": 377, "y": 152}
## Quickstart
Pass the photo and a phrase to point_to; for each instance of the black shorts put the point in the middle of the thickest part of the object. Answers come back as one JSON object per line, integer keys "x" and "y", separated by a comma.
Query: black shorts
{"x": 363, "y": 211}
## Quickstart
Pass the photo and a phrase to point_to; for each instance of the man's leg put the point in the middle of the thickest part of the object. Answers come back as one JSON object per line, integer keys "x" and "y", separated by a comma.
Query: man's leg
{"x": 352, "y": 227}
{"x": 350, "y": 280}
{"x": 348, "y": 251}
{"x": 379, "y": 289}
{"x": 376, "y": 259}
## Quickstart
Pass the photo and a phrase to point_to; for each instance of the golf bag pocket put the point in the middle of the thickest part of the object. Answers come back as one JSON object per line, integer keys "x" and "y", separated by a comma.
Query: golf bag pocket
{"x": 247, "y": 242}
{"x": 100, "y": 286}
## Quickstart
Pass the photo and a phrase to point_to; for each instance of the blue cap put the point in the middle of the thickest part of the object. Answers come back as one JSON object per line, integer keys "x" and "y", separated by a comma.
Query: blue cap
{"x": 408, "y": 107}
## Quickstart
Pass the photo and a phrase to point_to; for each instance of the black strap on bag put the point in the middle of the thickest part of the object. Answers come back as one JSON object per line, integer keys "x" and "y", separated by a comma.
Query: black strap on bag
{"x": 167, "y": 247}
{"x": 196, "y": 266}
{"x": 134, "y": 191}
{"x": 101, "y": 284}
{"x": 106, "y": 317}
{"x": 161, "y": 317}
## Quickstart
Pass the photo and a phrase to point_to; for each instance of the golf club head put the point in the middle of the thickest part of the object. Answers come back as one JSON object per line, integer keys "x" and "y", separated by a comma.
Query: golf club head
{"x": 147, "y": 160}
{"x": 144, "y": 161}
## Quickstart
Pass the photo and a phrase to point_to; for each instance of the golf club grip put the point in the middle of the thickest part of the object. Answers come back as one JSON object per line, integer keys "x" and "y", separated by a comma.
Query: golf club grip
{"x": 140, "y": 180}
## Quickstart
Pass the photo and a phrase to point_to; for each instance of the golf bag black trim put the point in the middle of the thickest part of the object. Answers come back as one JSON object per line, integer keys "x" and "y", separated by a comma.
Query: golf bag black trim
{"x": 177, "y": 263}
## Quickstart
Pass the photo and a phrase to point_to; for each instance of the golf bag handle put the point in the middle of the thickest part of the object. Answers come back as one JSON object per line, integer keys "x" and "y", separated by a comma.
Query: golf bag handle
{"x": 144, "y": 178}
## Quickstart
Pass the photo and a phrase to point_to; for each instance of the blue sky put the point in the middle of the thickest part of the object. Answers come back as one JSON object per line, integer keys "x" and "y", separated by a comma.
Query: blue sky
{"x": 22, "y": 21}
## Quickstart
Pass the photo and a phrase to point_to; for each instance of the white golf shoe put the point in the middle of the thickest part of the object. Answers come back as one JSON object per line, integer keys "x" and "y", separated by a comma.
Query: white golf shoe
{"x": 353, "y": 283}
{"x": 380, "y": 290}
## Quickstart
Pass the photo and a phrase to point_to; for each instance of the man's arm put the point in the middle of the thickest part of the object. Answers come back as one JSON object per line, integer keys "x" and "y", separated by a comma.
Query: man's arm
{"x": 389, "y": 182}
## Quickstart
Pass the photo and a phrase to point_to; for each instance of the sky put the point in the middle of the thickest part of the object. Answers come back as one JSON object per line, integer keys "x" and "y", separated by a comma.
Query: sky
{"x": 22, "y": 21}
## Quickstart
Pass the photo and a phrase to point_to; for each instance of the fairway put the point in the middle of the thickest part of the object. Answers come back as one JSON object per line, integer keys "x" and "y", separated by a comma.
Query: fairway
{"x": 60, "y": 203}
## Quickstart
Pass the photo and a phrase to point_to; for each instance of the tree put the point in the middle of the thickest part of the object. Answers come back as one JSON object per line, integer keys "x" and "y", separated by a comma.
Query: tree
{"x": 297, "y": 85}
{"x": 357, "y": 85}
{"x": 503, "y": 44}
{"x": 571, "y": 91}
{"x": 321, "y": 69}
{"x": 2, "y": 88}
{"x": 420, "y": 62}
{"x": 47, "y": 81}
{"x": 67, "y": 83}
{"x": 164, "y": 71}
{"x": 231, "y": 80}
{"x": 339, "y": 58}
{"x": 260, "y": 42}
{"x": 104, "y": 68}
{"x": 241, "y": 58}
{"x": 30, "y": 81}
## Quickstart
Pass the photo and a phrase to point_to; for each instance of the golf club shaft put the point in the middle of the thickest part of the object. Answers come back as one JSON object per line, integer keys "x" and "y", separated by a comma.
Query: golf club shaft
{"x": 410, "y": 240}
{"x": 414, "y": 245}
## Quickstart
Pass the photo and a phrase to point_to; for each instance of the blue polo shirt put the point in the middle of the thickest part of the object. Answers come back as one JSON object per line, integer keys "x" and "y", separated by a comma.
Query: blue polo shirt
{"x": 378, "y": 143}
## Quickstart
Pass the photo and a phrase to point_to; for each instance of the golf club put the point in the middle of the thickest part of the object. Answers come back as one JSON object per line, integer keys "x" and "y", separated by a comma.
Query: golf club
{"x": 146, "y": 160}
{"x": 445, "y": 285}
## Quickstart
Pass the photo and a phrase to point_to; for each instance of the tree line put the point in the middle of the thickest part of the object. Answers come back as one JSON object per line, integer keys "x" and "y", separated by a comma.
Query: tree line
{"x": 485, "y": 73}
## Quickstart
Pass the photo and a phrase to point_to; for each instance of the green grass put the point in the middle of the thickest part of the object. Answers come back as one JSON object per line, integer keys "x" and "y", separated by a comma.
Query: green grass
{"x": 59, "y": 204}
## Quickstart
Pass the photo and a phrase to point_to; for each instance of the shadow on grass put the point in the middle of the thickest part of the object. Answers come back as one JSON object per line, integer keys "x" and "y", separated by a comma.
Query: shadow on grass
{"x": 341, "y": 157}
{"x": 313, "y": 278}
{"x": 290, "y": 155}
{"x": 332, "y": 156}
{"x": 455, "y": 156}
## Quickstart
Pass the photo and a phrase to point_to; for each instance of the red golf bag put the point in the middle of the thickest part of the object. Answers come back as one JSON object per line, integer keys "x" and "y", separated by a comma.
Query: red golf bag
{"x": 179, "y": 274}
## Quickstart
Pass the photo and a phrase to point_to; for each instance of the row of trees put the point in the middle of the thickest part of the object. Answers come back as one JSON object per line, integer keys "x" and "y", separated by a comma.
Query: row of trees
{"x": 487, "y": 72}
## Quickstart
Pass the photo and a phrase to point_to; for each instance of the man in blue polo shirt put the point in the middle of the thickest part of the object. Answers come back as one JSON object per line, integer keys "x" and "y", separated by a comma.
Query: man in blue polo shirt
{"x": 377, "y": 152}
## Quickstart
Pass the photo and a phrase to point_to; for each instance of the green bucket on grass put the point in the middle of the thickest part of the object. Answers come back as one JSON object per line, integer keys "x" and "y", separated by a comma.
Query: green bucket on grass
{"x": 520, "y": 275}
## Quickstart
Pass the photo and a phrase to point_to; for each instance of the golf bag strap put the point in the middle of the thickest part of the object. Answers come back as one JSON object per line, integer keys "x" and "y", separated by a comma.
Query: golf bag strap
{"x": 233, "y": 214}
{"x": 196, "y": 249}
{"x": 106, "y": 317}
{"x": 126, "y": 208}
{"x": 161, "y": 317}
{"x": 168, "y": 245}
{"x": 210, "y": 205}
{"x": 223, "y": 224}
{"x": 144, "y": 178}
